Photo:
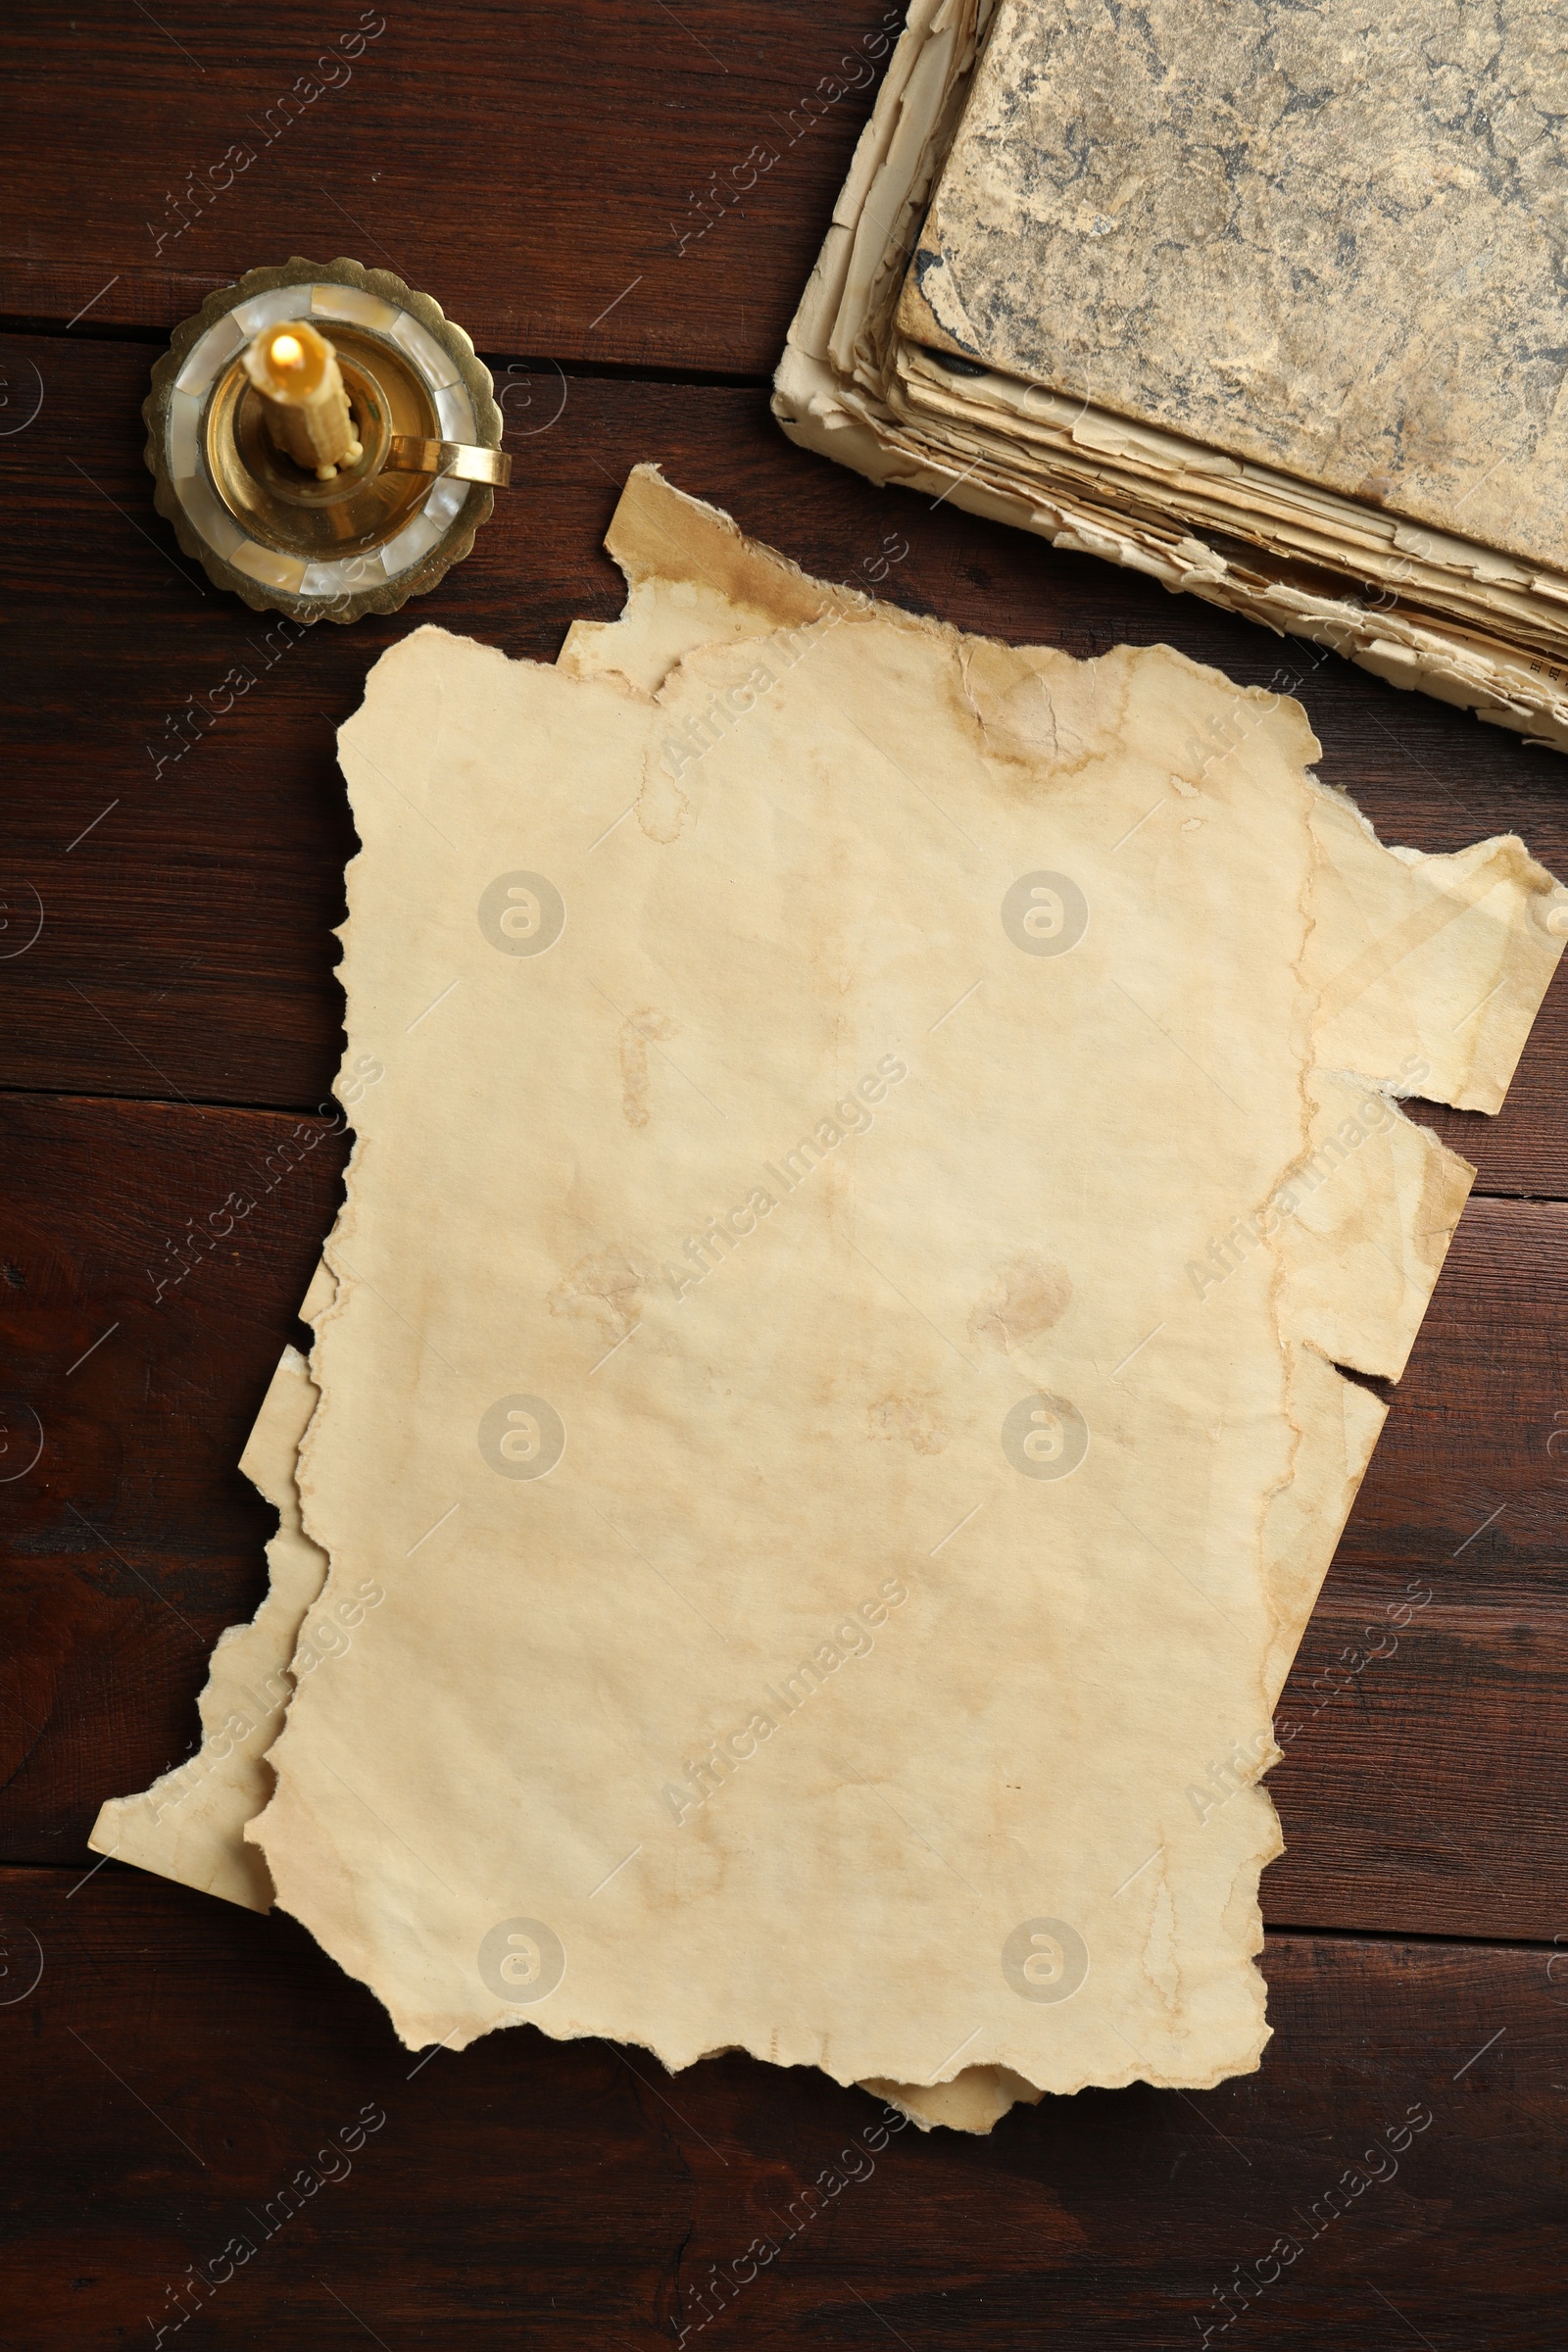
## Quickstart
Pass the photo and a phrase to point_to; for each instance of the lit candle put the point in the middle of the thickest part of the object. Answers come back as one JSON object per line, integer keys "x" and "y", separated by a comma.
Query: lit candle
{"x": 296, "y": 371}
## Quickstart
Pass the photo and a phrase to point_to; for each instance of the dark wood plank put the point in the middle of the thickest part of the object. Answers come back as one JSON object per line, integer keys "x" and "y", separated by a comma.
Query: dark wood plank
{"x": 1469, "y": 1484}
{"x": 545, "y": 173}
{"x": 133, "y": 1539}
{"x": 1426, "y": 1792}
{"x": 188, "y": 944}
{"x": 179, "y": 2063}
{"x": 1425, "y": 1787}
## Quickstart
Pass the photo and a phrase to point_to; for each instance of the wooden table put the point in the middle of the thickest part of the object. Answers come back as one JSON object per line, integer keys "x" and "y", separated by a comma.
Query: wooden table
{"x": 547, "y": 170}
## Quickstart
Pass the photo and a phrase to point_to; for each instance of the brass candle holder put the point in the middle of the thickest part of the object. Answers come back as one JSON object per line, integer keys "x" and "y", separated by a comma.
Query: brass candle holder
{"x": 323, "y": 440}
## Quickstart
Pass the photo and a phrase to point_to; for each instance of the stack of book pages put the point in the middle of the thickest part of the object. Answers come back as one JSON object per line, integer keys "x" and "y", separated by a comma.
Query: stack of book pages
{"x": 1268, "y": 303}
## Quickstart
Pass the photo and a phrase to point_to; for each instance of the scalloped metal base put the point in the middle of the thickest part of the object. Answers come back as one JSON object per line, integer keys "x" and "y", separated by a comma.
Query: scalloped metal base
{"x": 279, "y": 563}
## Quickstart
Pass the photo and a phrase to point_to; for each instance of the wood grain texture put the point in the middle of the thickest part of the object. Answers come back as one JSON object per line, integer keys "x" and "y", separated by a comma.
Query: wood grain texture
{"x": 186, "y": 947}
{"x": 1469, "y": 1483}
{"x": 178, "y": 2063}
{"x": 1424, "y": 1724}
{"x": 1425, "y": 1787}
{"x": 457, "y": 147}
{"x": 194, "y": 2063}
{"x": 133, "y": 1539}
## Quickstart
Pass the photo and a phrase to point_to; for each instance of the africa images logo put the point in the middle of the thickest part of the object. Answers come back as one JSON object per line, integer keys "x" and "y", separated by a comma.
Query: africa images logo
{"x": 521, "y": 1961}
{"x": 1045, "y": 1437}
{"x": 523, "y": 1437}
{"x": 1044, "y": 1960}
{"x": 523, "y": 914}
{"x": 1044, "y": 913}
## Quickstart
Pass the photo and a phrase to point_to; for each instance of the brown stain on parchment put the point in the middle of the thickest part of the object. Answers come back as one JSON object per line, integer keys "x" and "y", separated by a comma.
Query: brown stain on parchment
{"x": 1010, "y": 700}
{"x": 1039, "y": 712}
{"x": 660, "y": 533}
{"x": 636, "y": 1031}
{"x": 604, "y": 1288}
{"x": 1027, "y": 1295}
{"x": 662, "y": 805}
{"x": 914, "y": 1420}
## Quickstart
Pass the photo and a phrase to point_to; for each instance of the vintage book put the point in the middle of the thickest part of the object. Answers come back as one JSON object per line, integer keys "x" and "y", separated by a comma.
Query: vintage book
{"x": 1267, "y": 302}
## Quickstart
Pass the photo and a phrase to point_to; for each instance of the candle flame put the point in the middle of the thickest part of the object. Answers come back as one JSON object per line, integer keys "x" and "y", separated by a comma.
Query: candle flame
{"x": 288, "y": 352}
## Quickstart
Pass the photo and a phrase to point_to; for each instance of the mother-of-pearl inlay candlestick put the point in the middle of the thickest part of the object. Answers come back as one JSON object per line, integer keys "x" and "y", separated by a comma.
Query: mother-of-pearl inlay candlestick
{"x": 325, "y": 440}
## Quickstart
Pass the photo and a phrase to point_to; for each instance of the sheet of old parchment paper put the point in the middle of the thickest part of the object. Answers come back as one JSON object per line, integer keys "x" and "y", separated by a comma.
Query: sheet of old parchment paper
{"x": 916, "y": 1363}
{"x": 691, "y": 577}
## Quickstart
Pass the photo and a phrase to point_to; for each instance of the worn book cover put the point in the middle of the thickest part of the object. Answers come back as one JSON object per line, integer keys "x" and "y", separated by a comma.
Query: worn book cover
{"x": 1331, "y": 239}
{"x": 1266, "y": 303}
